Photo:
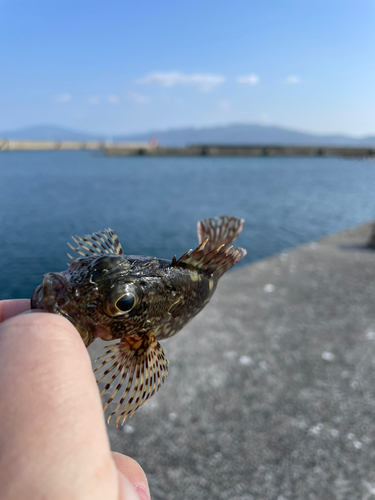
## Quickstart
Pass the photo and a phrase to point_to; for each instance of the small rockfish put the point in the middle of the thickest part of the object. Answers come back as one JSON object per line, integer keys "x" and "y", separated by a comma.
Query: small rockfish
{"x": 137, "y": 301}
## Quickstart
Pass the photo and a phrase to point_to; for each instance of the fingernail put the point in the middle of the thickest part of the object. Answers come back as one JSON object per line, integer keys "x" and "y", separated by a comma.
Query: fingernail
{"x": 141, "y": 492}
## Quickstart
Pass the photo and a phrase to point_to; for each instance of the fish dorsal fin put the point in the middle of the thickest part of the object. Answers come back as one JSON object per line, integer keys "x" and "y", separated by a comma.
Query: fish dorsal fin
{"x": 221, "y": 230}
{"x": 140, "y": 367}
{"x": 213, "y": 256}
{"x": 103, "y": 242}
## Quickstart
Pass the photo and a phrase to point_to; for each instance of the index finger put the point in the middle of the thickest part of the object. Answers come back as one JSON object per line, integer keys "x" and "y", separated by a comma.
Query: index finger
{"x": 10, "y": 308}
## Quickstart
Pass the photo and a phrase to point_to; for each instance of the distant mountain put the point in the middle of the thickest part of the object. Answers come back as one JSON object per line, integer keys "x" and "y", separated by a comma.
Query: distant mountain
{"x": 49, "y": 133}
{"x": 245, "y": 134}
{"x": 225, "y": 134}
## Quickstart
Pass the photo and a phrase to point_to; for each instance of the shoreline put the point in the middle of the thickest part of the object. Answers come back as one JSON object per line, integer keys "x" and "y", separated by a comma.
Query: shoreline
{"x": 212, "y": 150}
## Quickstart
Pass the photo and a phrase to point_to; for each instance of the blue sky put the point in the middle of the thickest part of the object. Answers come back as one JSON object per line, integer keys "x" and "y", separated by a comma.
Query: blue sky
{"x": 120, "y": 66}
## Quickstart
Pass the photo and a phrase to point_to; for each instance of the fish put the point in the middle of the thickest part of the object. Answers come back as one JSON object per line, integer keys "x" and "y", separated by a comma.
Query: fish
{"x": 136, "y": 301}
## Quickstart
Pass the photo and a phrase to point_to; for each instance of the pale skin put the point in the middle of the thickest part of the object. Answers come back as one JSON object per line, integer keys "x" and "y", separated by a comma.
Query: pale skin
{"x": 53, "y": 440}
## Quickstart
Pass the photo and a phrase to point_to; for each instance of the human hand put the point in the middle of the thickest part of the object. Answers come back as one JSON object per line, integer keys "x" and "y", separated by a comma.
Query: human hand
{"x": 53, "y": 440}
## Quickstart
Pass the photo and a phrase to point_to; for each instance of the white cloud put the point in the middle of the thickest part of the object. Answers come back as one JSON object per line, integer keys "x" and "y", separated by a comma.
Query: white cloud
{"x": 293, "y": 80}
{"x": 92, "y": 99}
{"x": 113, "y": 99}
{"x": 252, "y": 79}
{"x": 138, "y": 98}
{"x": 62, "y": 97}
{"x": 224, "y": 105}
{"x": 205, "y": 82}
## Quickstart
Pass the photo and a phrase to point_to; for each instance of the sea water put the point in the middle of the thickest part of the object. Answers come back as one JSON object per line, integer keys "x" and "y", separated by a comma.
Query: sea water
{"x": 154, "y": 204}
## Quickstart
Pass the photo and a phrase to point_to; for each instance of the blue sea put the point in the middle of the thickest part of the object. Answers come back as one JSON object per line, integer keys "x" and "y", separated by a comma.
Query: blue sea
{"x": 154, "y": 204}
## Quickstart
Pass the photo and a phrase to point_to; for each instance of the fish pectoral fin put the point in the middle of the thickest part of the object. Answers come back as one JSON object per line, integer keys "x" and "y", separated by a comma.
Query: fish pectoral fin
{"x": 140, "y": 365}
{"x": 218, "y": 231}
{"x": 101, "y": 243}
{"x": 213, "y": 256}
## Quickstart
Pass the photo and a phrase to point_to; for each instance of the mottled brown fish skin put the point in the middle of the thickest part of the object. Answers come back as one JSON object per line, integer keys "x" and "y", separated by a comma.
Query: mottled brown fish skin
{"x": 137, "y": 301}
{"x": 168, "y": 298}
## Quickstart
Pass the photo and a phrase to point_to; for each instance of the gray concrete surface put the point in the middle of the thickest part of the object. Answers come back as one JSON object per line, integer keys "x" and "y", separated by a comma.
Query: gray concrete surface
{"x": 271, "y": 392}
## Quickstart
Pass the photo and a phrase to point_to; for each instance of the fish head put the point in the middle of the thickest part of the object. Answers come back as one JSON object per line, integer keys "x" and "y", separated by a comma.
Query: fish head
{"x": 121, "y": 295}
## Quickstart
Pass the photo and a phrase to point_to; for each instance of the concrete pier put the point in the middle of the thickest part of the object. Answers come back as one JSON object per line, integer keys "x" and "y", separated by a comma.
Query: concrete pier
{"x": 9, "y": 145}
{"x": 271, "y": 391}
{"x": 244, "y": 150}
{"x": 145, "y": 149}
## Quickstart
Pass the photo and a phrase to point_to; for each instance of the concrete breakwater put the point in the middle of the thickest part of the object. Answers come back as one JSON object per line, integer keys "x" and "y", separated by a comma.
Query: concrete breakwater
{"x": 145, "y": 149}
{"x": 240, "y": 150}
{"x": 15, "y": 145}
{"x": 9, "y": 145}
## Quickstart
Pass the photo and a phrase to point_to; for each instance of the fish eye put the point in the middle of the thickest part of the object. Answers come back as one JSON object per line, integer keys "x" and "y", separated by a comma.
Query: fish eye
{"x": 121, "y": 299}
{"x": 126, "y": 302}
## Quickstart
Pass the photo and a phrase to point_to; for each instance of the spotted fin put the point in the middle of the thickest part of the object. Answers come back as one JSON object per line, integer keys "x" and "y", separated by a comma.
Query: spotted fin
{"x": 219, "y": 231}
{"x": 140, "y": 367}
{"x": 213, "y": 256}
{"x": 103, "y": 242}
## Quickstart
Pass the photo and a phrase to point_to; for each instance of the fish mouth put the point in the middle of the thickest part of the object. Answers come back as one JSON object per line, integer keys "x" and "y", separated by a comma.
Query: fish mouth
{"x": 54, "y": 295}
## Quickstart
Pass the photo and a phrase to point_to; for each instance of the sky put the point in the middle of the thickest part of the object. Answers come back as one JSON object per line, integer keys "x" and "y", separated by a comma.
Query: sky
{"x": 129, "y": 66}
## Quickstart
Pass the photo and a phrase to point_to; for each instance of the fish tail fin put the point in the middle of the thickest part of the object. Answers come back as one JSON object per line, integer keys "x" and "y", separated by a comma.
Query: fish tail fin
{"x": 213, "y": 255}
{"x": 139, "y": 365}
